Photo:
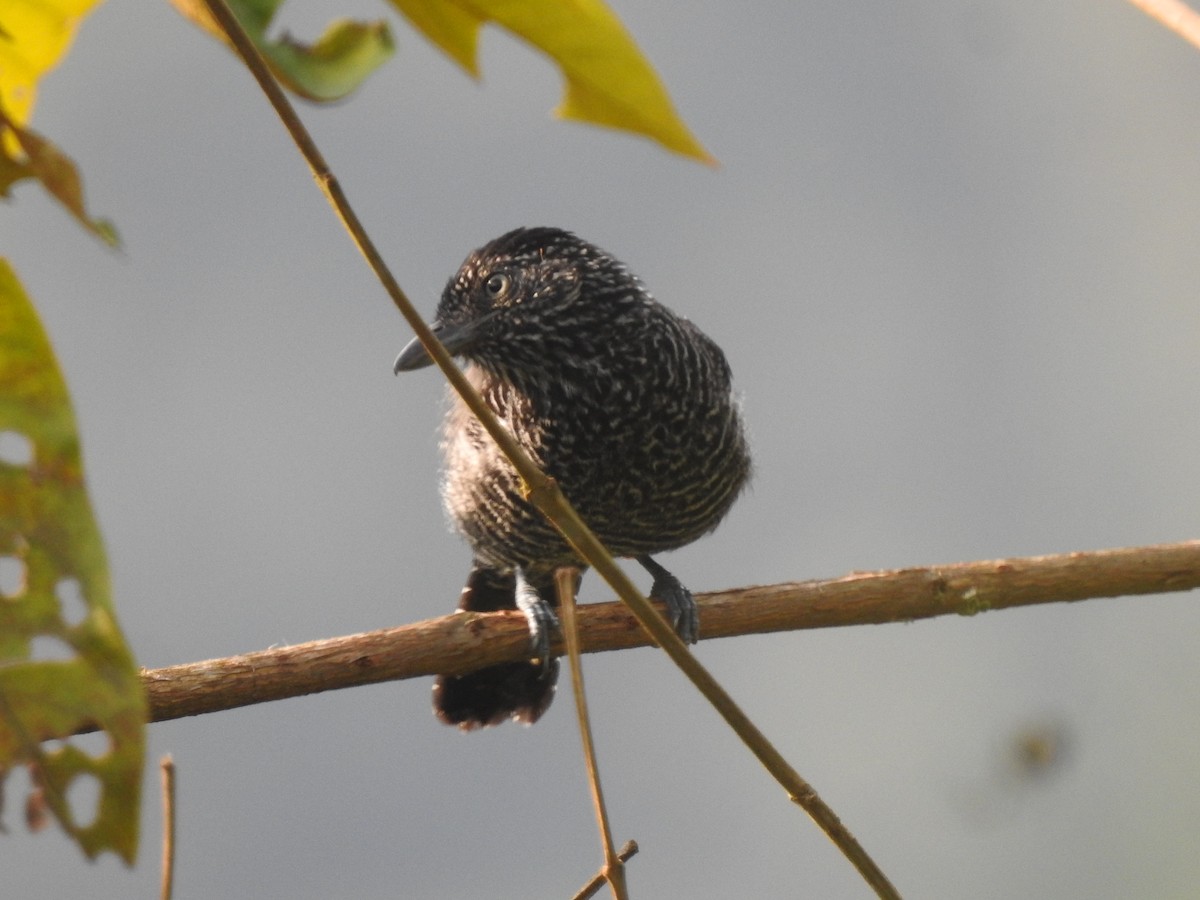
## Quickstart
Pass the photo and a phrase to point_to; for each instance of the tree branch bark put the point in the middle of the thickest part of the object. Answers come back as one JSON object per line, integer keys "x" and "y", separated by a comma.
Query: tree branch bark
{"x": 465, "y": 641}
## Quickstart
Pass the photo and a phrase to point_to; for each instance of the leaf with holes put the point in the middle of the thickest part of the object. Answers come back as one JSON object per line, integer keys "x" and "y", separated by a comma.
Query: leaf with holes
{"x": 54, "y": 591}
{"x": 608, "y": 80}
{"x": 328, "y": 70}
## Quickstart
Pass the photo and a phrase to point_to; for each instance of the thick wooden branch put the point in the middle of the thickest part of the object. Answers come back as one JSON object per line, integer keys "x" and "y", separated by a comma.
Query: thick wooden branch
{"x": 466, "y": 641}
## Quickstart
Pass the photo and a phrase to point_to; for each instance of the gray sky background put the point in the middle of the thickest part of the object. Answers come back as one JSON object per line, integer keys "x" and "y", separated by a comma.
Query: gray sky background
{"x": 951, "y": 254}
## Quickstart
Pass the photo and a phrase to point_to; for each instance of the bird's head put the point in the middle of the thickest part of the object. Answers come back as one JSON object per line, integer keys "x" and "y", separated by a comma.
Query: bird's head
{"x": 529, "y": 297}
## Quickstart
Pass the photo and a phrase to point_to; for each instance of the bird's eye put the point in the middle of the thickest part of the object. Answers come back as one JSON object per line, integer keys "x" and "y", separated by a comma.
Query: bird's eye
{"x": 497, "y": 285}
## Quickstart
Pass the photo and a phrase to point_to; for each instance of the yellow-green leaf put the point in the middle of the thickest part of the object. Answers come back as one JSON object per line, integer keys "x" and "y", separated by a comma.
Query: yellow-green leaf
{"x": 330, "y": 69}
{"x": 64, "y": 665}
{"x": 34, "y": 35}
{"x": 608, "y": 80}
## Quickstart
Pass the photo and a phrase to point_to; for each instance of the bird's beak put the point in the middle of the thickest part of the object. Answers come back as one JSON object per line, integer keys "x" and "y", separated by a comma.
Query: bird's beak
{"x": 455, "y": 338}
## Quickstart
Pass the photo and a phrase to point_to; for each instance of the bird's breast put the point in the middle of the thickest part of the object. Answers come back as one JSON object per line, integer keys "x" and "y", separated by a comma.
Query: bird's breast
{"x": 648, "y": 467}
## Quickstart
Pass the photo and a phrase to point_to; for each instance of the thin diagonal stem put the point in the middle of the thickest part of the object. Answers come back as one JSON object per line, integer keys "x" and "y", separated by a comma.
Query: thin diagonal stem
{"x": 565, "y": 579}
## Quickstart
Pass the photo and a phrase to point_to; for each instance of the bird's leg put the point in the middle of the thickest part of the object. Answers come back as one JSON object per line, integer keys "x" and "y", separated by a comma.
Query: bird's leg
{"x": 681, "y": 607}
{"x": 540, "y": 616}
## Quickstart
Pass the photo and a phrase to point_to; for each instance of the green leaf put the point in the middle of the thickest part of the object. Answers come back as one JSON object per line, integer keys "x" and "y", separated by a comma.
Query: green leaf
{"x": 608, "y": 80}
{"x": 328, "y": 70}
{"x": 34, "y": 35}
{"x": 55, "y": 593}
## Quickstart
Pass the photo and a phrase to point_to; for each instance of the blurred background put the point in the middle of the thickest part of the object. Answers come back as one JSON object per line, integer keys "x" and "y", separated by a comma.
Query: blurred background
{"x": 951, "y": 254}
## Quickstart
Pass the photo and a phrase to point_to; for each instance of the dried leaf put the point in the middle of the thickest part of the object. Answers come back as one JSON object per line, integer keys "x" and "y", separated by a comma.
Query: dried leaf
{"x": 35, "y": 34}
{"x": 43, "y": 161}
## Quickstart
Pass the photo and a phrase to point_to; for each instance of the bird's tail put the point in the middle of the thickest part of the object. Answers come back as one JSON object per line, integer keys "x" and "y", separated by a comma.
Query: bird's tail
{"x": 516, "y": 690}
{"x": 512, "y": 690}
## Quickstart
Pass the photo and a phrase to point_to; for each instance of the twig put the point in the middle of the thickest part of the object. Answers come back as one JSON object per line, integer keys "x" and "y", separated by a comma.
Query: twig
{"x": 459, "y": 643}
{"x": 589, "y": 890}
{"x": 566, "y": 579}
{"x": 167, "y": 767}
{"x": 1175, "y": 15}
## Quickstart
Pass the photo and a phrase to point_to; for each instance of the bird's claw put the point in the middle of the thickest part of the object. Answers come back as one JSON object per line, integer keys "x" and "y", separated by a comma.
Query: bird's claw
{"x": 681, "y": 608}
{"x": 681, "y": 605}
{"x": 543, "y": 623}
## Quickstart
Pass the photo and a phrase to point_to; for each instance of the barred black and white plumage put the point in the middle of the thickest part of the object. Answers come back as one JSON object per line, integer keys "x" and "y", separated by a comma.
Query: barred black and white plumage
{"x": 628, "y": 406}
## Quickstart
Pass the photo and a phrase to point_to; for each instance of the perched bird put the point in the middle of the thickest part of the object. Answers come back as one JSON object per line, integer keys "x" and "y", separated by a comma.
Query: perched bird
{"x": 625, "y": 404}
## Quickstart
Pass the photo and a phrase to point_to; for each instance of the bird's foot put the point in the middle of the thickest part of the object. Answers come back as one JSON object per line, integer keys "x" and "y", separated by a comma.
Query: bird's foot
{"x": 681, "y": 606}
{"x": 543, "y": 623}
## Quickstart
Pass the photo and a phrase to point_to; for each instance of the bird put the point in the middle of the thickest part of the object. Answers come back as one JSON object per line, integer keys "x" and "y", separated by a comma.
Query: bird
{"x": 628, "y": 406}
